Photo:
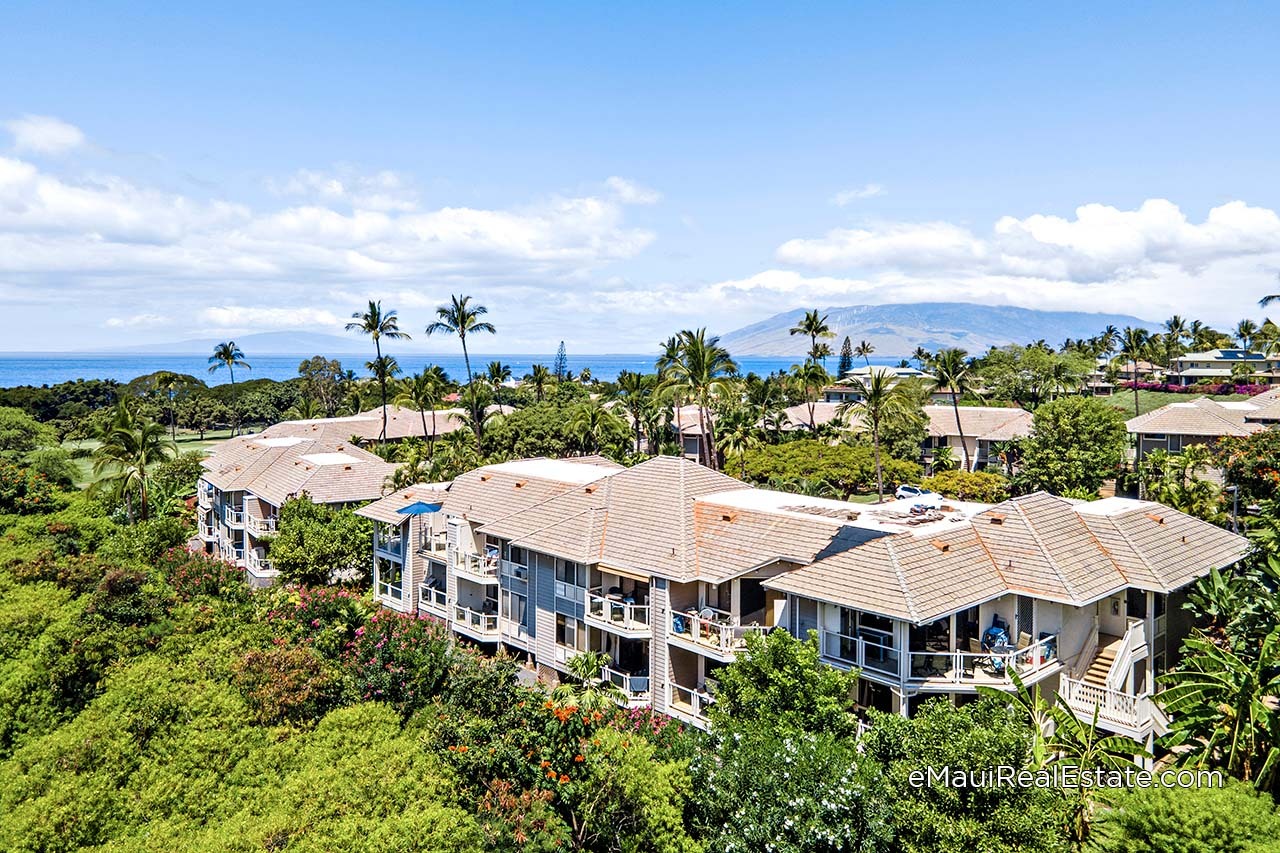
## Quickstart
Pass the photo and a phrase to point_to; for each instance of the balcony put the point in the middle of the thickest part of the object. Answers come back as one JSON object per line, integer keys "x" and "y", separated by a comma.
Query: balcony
{"x": 208, "y": 532}
{"x": 433, "y": 541}
{"x": 204, "y": 496}
{"x": 258, "y": 563}
{"x": 234, "y": 518}
{"x": 712, "y": 631}
{"x": 232, "y": 554}
{"x": 614, "y": 613}
{"x": 688, "y": 704}
{"x": 518, "y": 571}
{"x": 260, "y": 526}
{"x": 948, "y": 668}
{"x": 473, "y": 623}
{"x": 634, "y": 687}
{"x": 873, "y": 652}
{"x": 391, "y": 546}
{"x": 480, "y": 568}
{"x": 434, "y": 601}
{"x": 1124, "y": 713}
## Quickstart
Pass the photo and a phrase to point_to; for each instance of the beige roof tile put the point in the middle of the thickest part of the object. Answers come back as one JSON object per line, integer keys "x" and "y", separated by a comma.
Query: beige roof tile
{"x": 1202, "y": 416}
{"x": 388, "y": 509}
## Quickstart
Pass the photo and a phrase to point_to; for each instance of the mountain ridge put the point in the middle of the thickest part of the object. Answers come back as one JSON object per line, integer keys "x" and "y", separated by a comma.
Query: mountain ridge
{"x": 896, "y": 329}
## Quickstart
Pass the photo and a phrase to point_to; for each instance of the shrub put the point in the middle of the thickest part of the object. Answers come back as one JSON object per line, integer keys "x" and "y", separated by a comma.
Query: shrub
{"x": 969, "y": 486}
{"x": 324, "y": 617}
{"x": 24, "y": 490}
{"x": 1233, "y": 819}
{"x": 398, "y": 659}
{"x": 287, "y": 684}
{"x": 846, "y": 469}
{"x": 121, "y": 597}
{"x": 145, "y": 541}
{"x": 80, "y": 573}
{"x": 193, "y": 575}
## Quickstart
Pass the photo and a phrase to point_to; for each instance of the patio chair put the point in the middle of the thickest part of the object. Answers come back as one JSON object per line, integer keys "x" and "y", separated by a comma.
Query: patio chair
{"x": 973, "y": 660}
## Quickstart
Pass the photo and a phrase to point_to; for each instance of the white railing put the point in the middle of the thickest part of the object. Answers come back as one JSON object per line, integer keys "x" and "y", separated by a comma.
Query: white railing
{"x": 232, "y": 554}
{"x": 482, "y": 567}
{"x": 1088, "y": 652}
{"x": 393, "y": 591}
{"x": 510, "y": 569}
{"x": 690, "y": 701}
{"x": 1135, "y": 637}
{"x": 433, "y": 541}
{"x": 433, "y": 599}
{"x": 479, "y": 623}
{"x": 571, "y": 591}
{"x": 617, "y": 613}
{"x": 720, "y": 632}
{"x": 1113, "y": 706}
{"x": 258, "y": 562}
{"x": 636, "y": 687}
{"x": 208, "y": 531}
{"x": 393, "y": 545}
{"x": 260, "y": 526}
{"x": 873, "y": 651}
{"x": 204, "y": 496}
{"x": 958, "y": 667}
{"x": 233, "y": 517}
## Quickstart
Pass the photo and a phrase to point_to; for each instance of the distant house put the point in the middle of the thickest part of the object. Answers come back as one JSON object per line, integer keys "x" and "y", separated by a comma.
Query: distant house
{"x": 798, "y": 417}
{"x": 1219, "y": 366}
{"x": 847, "y": 388}
{"x": 984, "y": 427}
{"x": 402, "y": 423}
{"x": 1175, "y": 427}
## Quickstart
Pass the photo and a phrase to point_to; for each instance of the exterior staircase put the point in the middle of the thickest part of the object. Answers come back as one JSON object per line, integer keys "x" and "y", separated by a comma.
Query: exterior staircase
{"x": 1108, "y": 647}
{"x": 1097, "y": 687}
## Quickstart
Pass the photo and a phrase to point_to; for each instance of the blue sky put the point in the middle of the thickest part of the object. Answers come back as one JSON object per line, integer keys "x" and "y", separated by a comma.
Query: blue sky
{"x": 606, "y": 175}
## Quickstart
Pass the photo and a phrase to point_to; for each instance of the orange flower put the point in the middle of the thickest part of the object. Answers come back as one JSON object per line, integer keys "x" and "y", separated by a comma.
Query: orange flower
{"x": 545, "y": 763}
{"x": 579, "y": 759}
{"x": 551, "y": 774}
{"x": 564, "y": 779}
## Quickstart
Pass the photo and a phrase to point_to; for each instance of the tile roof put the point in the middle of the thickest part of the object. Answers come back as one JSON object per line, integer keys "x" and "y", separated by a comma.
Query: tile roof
{"x": 992, "y": 423}
{"x": 388, "y": 509}
{"x": 493, "y": 492}
{"x": 401, "y": 423}
{"x": 1200, "y": 416}
{"x": 276, "y": 468}
{"x": 797, "y": 417}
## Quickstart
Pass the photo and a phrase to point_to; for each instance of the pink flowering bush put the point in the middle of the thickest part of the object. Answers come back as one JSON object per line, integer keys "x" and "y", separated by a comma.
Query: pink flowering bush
{"x": 194, "y": 575}
{"x": 1202, "y": 388}
{"x": 324, "y": 617}
{"x": 399, "y": 659}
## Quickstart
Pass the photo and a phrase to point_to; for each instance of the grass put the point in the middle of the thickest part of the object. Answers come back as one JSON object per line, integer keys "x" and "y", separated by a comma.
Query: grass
{"x": 187, "y": 441}
{"x": 1149, "y": 400}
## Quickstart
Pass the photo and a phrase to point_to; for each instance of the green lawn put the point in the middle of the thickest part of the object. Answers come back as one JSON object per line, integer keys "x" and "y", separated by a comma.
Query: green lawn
{"x": 188, "y": 440}
{"x": 1148, "y": 400}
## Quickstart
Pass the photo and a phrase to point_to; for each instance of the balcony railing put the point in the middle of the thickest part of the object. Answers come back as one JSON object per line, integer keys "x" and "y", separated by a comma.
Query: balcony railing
{"x": 635, "y": 687}
{"x": 393, "y": 545}
{"x": 872, "y": 651}
{"x": 983, "y": 667}
{"x": 686, "y": 700}
{"x": 479, "y": 567}
{"x": 391, "y": 590}
{"x": 478, "y": 623}
{"x": 1124, "y": 710}
{"x": 519, "y": 571}
{"x": 208, "y": 532}
{"x": 204, "y": 497}
{"x": 233, "y": 517}
{"x": 433, "y": 599}
{"x": 714, "y": 629}
{"x": 260, "y": 526}
{"x": 433, "y": 541}
{"x": 233, "y": 555}
{"x": 617, "y": 613}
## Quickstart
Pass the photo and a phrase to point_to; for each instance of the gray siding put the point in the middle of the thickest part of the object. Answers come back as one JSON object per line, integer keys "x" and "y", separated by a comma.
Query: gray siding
{"x": 659, "y": 663}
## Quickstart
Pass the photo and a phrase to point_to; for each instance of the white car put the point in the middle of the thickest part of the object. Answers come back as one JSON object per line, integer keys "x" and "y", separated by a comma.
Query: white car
{"x": 907, "y": 492}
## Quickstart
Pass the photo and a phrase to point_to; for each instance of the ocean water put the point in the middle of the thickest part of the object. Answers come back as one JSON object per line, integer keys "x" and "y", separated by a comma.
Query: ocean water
{"x": 50, "y": 368}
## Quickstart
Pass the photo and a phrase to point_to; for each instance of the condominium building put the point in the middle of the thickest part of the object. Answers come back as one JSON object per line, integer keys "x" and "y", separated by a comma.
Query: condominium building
{"x": 1225, "y": 365}
{"x": 247, "y": 479}
{"x": 668, "y": 567}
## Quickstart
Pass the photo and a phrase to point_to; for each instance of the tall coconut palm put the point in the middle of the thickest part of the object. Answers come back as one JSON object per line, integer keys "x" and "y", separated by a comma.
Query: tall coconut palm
{"x": 814, "y": 326}
{"x": 1133, "y": 344}
{"x": 378, "y": 324}
{"x": 951, "y": 373}
{"x": 383, "y": 369}
{"x": 228, "y": 355}
{"x": 670, "y": 355}
{"x": 422, "y": 392}
{"x": 539, "y": 379}
{"x": 170, "y": 383}
{"x": 737, "y": 436}
{"x": 593, "y": 422}
{"x": 1109, "y": 340}
{"x": 497, "y": 373}
{"x": 701, "y": 369}
{"x": 461, "y": 318}
{"x": 810, "y": 378}
{"x": 635, "y": 391}
{"x": 884, "y": 399}
{"x": 1245, "y": 331}
{"x": 131, "y": 446}
{"x": 922, "y": 357}
{"x": 863, "y": 350}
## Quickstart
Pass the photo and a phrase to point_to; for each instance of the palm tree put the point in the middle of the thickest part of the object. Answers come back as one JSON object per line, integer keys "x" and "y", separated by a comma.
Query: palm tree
{"x": 737, "y": 436}
{"x": 591, "y": 422}
{"x": 635, "y": 390}
{"x": 863, "y": 350}
{"x": 1109, "y": 339}
{"x": 383, "y": 368}
{"x": 701, "y": 369}
{"x": 378, "y": 324}
{"x": 228, "y": 355}
{"x": 170, "y": 383}
{"x": 1133, "y": 344}
{"x": 591, "y": 692}
{"x": 944, "y": 459}
{"x": 131, "y": 448}
{"x": 670, "y": 355}
{"x": 810, "y": 377}
{"x": 497, "y": 373}
{"x": 1245, "y": 331}
{"x": 883, "y": 399}
{"x": 304, "y": 410}
{"x": 461, "y": 319}
{"x": 539, "y": 378}
{"x": 922, "y": 357}
{"x": 951, "y": 373}
{"x": 815, "y": 327}
{"x": 422, "y": 392}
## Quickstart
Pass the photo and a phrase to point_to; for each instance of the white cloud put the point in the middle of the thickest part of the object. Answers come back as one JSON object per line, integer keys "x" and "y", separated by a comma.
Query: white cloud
{"x": 629, "y": 192}
{"x": 845, "y": 197}
{"x": 258, "y": 318}
{"x": 1101, "y": 243}
{"x": 384, "y": 190}
{"x": 44, "y": 134}
{"x": 136, "y": 321}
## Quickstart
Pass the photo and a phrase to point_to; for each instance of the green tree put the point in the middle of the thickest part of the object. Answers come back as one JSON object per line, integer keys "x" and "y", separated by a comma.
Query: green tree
{"x": 864, "y": 351}
{"x": 586, "y": 689}
{"x": 460, "y": 318}
{"x": 539, "y": 379}
{"x": 230, "y": 356}
{"x": 322, "y": 380}
{"x": 424, "y": 392}
{"x": 1231, "y": 819}
{"x": 1133, "y": 346}
{"x": 846, "y": 358}
{"x": 497, "y": 373}
{"x": 977, "y": 486}
{"x": 315, "y": 543}
{"x": 951, "y": 374}
{"x": 20, "y": 434}
{"x": 1075, "y": 444}
{"x": 813, "y": 326}
{"x": 131, "y": 448}
{"x": 378, "y": 324}
{"x": 697, "y": 369}
{"x": 882, "y": 400}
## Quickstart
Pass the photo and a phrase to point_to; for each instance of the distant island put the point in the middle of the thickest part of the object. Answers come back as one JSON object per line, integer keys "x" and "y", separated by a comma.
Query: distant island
{"x": 899, "y": 328}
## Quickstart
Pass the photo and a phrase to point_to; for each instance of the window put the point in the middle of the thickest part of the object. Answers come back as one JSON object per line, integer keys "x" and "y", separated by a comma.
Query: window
{"x": 513, "y": 607}
{"x": 518, "y": 555}
{"x": 570, "y": 633}
{"x": 388, "y": 576}
{"x": 571, "y": 573}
